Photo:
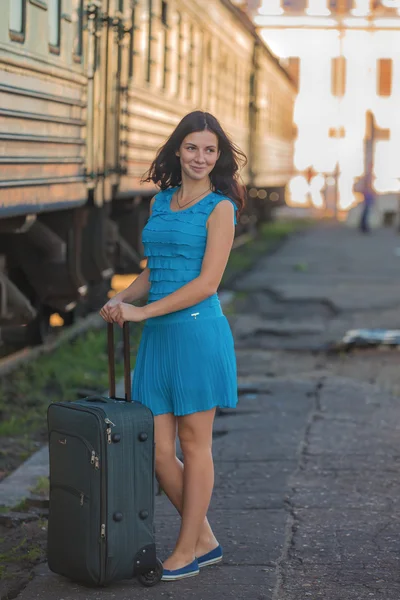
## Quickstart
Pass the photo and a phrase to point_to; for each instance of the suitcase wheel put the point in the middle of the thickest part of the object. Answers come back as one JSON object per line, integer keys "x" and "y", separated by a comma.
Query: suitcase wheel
{"x": 152, "y": 577}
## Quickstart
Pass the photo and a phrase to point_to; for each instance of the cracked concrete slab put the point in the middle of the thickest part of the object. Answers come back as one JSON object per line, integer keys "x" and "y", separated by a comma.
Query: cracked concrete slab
{"x": 246, "y": 327}
{"x": 251, "y": 485}
{"x": 335, "y": 489}
{"x": 344, "y": 497}
{"x": 350, "y": 272}
{"x": 338, "y": 582}
{"x": 328, "y": 435}
{"x": 346, "y": 536}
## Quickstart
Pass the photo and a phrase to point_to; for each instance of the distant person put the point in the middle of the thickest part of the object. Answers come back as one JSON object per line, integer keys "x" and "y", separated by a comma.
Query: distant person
{"x": 364, "y": 186}
{"x": 186, "y": 364}
{"x": 366, "y": 211}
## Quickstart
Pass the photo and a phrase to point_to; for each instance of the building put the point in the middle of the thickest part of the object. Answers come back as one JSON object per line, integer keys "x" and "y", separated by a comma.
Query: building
{"x": 345, "y": 57}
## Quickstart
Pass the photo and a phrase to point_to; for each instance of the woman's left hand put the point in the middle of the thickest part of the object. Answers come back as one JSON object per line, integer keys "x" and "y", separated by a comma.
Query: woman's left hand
{"x": 122, "y": 312}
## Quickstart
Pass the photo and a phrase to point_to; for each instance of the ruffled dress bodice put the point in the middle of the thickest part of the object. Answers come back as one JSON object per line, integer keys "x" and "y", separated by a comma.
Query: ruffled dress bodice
{"x": 175, "y": 243}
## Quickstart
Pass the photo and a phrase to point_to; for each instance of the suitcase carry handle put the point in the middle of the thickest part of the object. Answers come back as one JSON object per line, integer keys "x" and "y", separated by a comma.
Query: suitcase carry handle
{"x": 127, "y": 361}
{"x": 96, "y": 399}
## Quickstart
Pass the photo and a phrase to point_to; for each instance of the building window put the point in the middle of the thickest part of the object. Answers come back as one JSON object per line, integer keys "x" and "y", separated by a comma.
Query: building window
{"x": 17, "y": 20}
{"x": 295, "y": 5}
{"x": 341, "y": 6}
{"x": 384, "y": 72}
{"x": 54, "y": 14}
{"x": 338, "y": 76}
{"x": 77, "y": 17}
{"x": 337, "y": 132}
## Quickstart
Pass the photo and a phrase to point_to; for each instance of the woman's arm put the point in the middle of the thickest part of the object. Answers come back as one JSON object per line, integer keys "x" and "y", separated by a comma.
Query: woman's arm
{"x": 221, "y": 232}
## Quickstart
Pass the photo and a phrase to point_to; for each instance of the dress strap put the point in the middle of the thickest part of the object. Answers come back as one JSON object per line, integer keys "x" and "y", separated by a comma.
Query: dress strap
{"x": 216, "y": 199}
{"x": 162, "y": 200}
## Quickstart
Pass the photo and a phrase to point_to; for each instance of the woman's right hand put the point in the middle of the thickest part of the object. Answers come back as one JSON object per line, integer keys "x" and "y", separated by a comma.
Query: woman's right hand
{"x": 105, "y": 311}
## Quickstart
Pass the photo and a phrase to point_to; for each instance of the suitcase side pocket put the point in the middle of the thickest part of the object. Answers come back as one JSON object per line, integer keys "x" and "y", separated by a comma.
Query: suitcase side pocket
{"x": 74, "y": 531}
{"x": 69, "y": 532}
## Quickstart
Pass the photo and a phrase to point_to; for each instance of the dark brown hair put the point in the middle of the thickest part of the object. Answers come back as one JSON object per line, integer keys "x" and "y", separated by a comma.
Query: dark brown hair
{"x": 165, "y": 170}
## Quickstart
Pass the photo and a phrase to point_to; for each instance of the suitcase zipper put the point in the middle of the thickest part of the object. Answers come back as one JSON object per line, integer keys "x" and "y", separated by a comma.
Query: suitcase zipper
{"x": 94, "y": 460}
{"x": 68, "y": 488}
{"x": 108, "y": 430}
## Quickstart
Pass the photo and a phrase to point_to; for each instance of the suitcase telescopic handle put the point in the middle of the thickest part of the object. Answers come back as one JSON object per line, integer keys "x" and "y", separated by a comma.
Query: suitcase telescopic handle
{"x": 127, "y": 361}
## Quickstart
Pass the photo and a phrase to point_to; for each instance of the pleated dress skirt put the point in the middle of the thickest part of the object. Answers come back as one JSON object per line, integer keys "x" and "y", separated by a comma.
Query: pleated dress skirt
{"x": 186, "y": 363}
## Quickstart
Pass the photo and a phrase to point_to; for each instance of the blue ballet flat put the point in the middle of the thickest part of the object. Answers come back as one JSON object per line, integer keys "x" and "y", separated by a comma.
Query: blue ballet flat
{"x": 211, "y": 558}
{"x": 188, "y": 571}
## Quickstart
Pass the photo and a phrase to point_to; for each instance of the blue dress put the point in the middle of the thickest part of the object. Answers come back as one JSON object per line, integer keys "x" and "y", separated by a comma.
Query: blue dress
{"x": 186, "y": 360}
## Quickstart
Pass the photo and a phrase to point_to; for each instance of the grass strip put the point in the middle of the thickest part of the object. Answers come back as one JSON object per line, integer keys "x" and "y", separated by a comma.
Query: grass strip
{"x": 82, "y": 363}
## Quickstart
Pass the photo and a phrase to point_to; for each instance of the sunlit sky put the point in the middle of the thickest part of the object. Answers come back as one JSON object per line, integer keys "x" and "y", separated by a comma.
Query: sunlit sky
{"x": 315, "y": 38}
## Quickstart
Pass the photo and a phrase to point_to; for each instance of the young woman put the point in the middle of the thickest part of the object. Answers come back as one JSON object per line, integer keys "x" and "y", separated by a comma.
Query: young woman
{"x": 186, "y": 363}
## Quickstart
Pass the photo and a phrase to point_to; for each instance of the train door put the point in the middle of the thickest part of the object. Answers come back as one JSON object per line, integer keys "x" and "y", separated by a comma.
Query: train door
{"x": 106, "y": 72}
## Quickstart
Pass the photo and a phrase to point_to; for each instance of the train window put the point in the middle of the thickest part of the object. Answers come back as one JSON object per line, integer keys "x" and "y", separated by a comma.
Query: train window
{"x": 384, "y": 72}
{"x": 191, "y": 65}
{"x": 54, "y": 14}
{"x": 150, "y": 40}
{"x": 17, "y": 20}
{"x": 77, "y": 18}
{"x": 338, "y": 83}
{"x": 180, "y": 54}
{"x": 222, "y": 88}
{"x": 164, "y": 21}
{"x": 164, "y": 13}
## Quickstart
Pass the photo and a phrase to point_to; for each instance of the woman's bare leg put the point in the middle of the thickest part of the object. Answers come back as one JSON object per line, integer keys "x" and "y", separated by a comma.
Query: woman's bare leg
{"x": 195, "y": 435}
{"x": 169, "y": 471}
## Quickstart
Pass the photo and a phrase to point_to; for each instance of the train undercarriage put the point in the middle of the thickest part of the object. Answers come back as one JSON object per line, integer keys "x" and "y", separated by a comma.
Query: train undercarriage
{"x": 63, "y": 261}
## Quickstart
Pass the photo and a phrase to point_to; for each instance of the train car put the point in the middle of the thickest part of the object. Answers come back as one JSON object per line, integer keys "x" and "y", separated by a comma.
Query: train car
{"x": 89, "y": 89}
{"x": 272, "y": 134}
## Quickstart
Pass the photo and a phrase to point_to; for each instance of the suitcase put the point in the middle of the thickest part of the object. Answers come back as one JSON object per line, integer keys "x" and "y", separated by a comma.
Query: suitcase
{"x": 102, "y": 486}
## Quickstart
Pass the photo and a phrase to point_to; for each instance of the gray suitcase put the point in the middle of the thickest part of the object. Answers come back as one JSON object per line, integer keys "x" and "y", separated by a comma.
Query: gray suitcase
{"x": 102, "y": 486}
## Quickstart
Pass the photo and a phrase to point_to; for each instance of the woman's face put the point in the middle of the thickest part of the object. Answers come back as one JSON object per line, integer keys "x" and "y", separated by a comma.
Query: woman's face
{"x": 198, "y": 154}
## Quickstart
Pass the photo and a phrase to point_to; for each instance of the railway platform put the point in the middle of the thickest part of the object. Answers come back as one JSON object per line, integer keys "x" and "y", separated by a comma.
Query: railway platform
{"x": 306, "y": 501}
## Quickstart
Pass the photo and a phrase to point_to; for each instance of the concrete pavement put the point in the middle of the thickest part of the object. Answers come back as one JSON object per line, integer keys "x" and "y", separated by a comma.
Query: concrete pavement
{"x": 306, "y": 501}
{"x": 319, "y": 285}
